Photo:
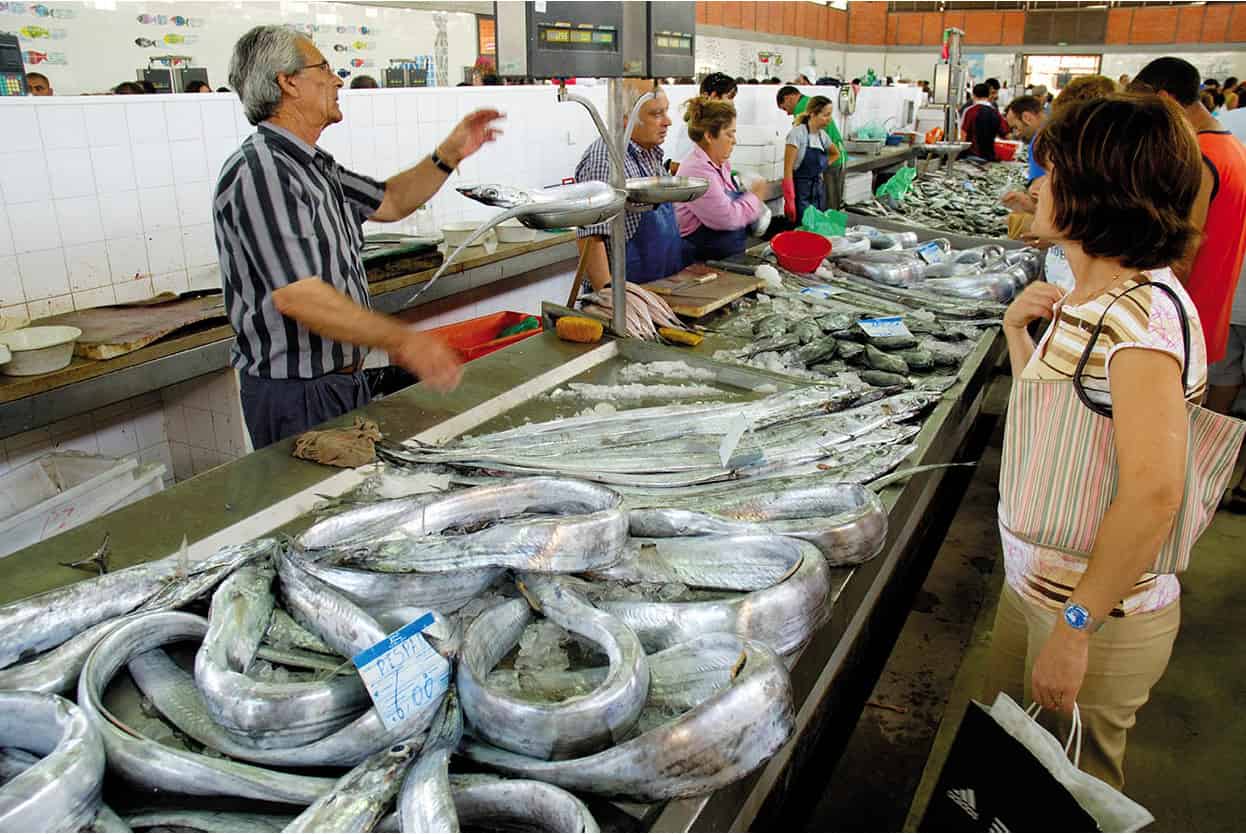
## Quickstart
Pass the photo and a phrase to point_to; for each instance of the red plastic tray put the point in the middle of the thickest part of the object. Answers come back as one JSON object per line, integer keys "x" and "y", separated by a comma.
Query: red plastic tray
{"x": 477, "y": 337}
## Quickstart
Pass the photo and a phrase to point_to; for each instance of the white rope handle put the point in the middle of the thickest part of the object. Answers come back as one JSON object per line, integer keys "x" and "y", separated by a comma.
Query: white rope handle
{"x": 1072, "y": 747}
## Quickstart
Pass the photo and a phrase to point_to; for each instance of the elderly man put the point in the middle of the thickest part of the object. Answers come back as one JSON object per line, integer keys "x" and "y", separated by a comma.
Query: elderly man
{"x": 654, "y": 248}
{"x": 289, "y": 232}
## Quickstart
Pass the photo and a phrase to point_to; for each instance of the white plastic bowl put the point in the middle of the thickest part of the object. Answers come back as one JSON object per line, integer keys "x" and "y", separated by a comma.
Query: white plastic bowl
{"x": 512, "y": 231}
{"x": 456, "y": 233}
{"x": 39, "y": 350}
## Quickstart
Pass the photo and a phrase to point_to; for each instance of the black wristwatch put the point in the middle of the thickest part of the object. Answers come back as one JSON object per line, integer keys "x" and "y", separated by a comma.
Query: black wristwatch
{"x": 441, "y": 163}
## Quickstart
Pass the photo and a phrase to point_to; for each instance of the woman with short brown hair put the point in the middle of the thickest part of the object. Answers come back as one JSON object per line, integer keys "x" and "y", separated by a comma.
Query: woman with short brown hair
{"x": 1083, "y": 618}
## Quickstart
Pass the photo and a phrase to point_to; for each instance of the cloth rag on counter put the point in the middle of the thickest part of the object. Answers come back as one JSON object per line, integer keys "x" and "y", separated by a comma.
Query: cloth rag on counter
{"x": 346, "y": 447}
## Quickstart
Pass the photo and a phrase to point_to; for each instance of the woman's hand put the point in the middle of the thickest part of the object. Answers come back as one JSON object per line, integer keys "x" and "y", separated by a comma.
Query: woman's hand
{"x": 1060, "y": 669}
{"x": 759, "y": 188}
{"x": 1035, "y": 302}
{"x": 1019, "y": 201}
{"x": 789, "y": 199}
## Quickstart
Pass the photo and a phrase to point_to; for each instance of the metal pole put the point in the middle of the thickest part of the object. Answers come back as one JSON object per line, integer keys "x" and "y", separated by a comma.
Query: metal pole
{"x": 615, "y": 116}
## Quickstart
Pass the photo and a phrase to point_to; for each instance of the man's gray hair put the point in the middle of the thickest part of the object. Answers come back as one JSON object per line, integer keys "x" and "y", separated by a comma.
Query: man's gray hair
{"x": 258, "y": 56}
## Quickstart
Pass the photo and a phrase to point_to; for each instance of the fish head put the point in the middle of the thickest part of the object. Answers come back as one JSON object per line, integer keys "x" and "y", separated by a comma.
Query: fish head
{"x": 502, "y": 196}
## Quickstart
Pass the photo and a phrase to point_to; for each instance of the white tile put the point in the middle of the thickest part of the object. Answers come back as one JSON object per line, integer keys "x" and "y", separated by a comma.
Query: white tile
{"x": 219, "y": 119}
{"x": 149, "y": 427}
{"x": 21, "y": 129}
{"x": 358, "y": 113}
{"x": 199, "y": 245}
{"x": 159, "y": 208}
{"x": 114, "y": 169}
{"x": 62, "y": 126}
{"x": 106, "y": 124}
{"x": 117, "y": 439}
{"x": 199, "y": 430}
{"x": 183, "y": 467}
{"x": 71, "y": 173}
{"x": 87, "y": 443}
{"x": 146, "y": 120}
{"x": 79, "y": 220}
{"x": 88, "y": 266}
{"x": 110, "y": 413}
{"x": 428, "y": 107}
{"x": 164, "y": 252}
{"x": 175, "y": 423}
{"x": 45, "y": 307}
{"x": 127, "y": 257}
{"x": 24, "y": 176}
{"x": 153, "y": 165}
{"x": 383, "y": 111}
{"x": 448, "y": 106}
{"x": 228, "y": 440}
{"x": 15, "y": 315}
{"x": 190, "y": 161}
{"x": 204, "y": 459}
{"x": 98, "y": 297}
{"x": 10, "y": 283}
{"x": 6, "y": 237}
{"x": 43, "y": 274}
{"x": 241, "y": 126}
{"x": 161, "y": 454}
{"x": 71, "y": 427}
{"x": 194, "y": 202}
{"x": 184, "y": 119}
{"x": 36, "y": 227}
{"x": 174, "y": 282}
{"x": 219, "y": 149}
{"x": 120, "y": 214}
{"x": 136, "y": 290}
{"x": 205, "y": 277}
{"x": 406, "y": 110}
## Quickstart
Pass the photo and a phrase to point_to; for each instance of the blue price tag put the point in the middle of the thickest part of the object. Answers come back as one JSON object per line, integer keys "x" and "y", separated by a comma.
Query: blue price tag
{"x": 888, "y": 326}
{"x": 821, "y": 291}
{"x": 403, "y": 673}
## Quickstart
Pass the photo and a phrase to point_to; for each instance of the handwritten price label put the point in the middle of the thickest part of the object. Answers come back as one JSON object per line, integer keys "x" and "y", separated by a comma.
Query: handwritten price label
{"x": 403, "y": 673}
{"x": 888, "y": 326}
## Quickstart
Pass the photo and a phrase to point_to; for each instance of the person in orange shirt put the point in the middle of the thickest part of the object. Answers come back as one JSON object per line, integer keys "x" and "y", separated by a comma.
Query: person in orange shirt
{"x": 1211, "y": 271}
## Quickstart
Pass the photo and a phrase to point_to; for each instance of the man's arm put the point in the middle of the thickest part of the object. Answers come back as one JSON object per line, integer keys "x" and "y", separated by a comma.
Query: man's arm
{"x": 407, "y": 191}
{"x": 596, "y": 261}
{"x": 1198, "y": 218}
{"x": 325, "y": 311}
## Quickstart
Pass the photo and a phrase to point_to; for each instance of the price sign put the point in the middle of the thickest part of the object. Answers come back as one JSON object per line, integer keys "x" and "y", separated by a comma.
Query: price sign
{"x": 403, "y": 673}
{"x": 821, "y": 291}
{"x": 931, "y": 252}
{"x": 889, "y": 326}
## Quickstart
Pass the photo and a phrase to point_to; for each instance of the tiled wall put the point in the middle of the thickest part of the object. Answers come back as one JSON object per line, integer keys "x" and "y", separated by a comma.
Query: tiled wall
{"x": 204, "y": 424}
{"x": 108, "y": 199}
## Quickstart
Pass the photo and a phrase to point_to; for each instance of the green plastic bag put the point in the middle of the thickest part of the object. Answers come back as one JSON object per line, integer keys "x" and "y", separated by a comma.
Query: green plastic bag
{"x": 898, "y": 185}
{"x": 829, "y": 223}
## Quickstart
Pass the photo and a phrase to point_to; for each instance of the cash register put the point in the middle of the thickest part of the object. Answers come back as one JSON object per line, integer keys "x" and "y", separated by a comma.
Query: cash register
{"x": 12, "y": 70}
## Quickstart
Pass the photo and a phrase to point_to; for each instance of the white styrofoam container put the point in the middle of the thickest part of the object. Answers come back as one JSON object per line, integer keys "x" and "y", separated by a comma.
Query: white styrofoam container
{"x": 755, "y": 134}
{"x": 63, "y": 490}
{"x": 750, "y": 170}
{"x": 39, "y": 350}
{"x": 752, "y": 155}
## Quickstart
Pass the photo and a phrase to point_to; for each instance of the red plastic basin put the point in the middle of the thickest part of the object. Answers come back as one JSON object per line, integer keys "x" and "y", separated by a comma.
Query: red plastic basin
{"x": 800, "y": 251}
{"x": 477, "y": 337}
{"x": 1006, "y": 149}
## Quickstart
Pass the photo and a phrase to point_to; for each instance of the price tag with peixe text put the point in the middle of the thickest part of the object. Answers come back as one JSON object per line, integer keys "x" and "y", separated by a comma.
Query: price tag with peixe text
{"x": 403, "y": 673}
{"x": 880, "y": 327}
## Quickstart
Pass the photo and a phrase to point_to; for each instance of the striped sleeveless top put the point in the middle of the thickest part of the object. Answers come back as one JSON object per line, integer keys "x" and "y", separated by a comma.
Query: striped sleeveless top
{"x": 1143, "y": 319}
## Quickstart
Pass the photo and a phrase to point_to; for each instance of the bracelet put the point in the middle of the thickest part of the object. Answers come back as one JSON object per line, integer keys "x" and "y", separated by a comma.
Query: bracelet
{"x": 441, "y": 163}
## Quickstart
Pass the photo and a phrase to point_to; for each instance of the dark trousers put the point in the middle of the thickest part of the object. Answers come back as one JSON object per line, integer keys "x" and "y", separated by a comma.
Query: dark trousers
{"x": 278, "y": 408}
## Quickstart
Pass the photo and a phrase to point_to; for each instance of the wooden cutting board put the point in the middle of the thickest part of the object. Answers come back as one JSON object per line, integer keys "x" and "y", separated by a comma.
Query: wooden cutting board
{"x": 108, "y": 332}
{"x": 702, "y": 299}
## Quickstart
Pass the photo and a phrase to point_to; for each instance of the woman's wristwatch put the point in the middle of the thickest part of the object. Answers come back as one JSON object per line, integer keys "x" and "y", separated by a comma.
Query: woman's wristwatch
{"x": 1078, "y": 618}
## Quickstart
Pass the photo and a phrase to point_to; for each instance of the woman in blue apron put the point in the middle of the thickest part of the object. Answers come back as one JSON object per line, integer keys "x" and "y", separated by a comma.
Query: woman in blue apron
{"x": 716, "y": 224}
{"x": 805, "y": 160}
{"x": 656, "y": 251}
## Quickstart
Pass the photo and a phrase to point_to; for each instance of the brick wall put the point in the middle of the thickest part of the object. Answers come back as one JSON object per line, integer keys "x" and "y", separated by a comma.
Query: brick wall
{"x": 868, "y": 23}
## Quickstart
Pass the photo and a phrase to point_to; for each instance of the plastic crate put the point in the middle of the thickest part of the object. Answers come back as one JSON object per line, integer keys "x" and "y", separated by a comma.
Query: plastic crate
{"x": 63, "y": 490}
{"x": 477, "y": 337}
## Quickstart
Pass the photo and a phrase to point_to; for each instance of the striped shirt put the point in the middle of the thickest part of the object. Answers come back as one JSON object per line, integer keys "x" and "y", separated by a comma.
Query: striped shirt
{"x": 1145, "y": 318}
{"x": 638, "y": 162}
{"x": 284, "y": 211}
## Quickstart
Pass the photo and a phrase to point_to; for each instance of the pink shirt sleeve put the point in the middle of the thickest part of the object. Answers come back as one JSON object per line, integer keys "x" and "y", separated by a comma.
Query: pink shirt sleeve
{"x": 716, "y": 208}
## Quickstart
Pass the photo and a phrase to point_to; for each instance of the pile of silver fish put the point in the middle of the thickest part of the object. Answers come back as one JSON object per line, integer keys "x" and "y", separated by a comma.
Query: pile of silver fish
{"x": 194, "y": 682}
{"x": 966, "y": 203}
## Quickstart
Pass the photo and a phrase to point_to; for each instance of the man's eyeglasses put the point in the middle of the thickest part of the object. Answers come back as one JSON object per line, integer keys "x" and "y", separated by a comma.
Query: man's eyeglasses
{"x": 324, "y": 65}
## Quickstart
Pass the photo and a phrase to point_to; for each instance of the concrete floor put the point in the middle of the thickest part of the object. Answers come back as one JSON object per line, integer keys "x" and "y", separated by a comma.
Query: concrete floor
{"x": 1186, "y": 756}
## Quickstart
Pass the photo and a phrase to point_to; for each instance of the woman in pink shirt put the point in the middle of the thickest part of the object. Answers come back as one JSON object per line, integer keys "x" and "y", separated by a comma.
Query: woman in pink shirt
{"x": 716, "y": 223}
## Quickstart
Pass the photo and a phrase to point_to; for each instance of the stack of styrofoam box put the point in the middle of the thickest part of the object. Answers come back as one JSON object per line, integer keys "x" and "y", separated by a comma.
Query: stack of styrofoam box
{"x": 758, "y": 151}
{"x": 858, "y": 188}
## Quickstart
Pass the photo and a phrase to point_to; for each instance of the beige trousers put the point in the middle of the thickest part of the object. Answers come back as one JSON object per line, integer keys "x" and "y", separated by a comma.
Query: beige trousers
{"x": 1127, "y": 657}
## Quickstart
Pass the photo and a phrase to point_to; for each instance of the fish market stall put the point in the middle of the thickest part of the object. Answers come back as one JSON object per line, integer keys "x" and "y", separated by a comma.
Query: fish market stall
{"x": 964, "y": 200}
{"x": 585, "y": 472}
